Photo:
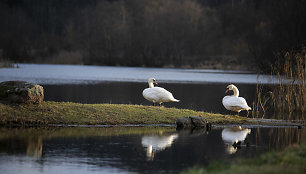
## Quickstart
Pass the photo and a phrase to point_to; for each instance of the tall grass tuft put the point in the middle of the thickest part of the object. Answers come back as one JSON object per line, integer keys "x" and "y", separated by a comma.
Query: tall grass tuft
{"x": 287, "y": 96}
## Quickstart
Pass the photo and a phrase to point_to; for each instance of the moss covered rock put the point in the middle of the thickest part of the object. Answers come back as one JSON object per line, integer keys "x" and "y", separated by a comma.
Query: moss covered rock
{"x": 21, "y": 92}
{"x": 191, "y": 122}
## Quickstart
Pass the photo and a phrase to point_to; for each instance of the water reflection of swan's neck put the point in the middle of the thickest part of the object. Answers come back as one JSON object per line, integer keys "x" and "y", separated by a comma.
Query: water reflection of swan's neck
{"x": 150, "y": 153}
{"x": 230, "y": 149}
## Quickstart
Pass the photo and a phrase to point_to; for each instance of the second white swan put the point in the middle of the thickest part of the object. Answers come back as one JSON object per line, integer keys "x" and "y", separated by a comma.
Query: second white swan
{"x": 234, "y": 102}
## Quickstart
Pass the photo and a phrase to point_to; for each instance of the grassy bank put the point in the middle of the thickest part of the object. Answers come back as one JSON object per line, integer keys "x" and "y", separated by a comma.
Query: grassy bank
{"x": 107, "y": 114}
{"x": 112, "y": 114}
{"x": 291, "y": 161}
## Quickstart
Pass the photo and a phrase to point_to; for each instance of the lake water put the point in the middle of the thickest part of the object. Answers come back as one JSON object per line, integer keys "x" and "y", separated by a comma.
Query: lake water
{"x": 133, "y": 149}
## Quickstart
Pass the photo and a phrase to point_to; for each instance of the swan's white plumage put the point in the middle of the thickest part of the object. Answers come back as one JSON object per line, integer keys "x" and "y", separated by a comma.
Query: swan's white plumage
{"x": 234, "y": 102}
{"x": 157, "y": 94}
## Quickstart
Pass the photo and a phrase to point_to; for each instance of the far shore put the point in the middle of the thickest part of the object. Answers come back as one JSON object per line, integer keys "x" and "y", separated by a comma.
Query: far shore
{"x": 85, "y": 74}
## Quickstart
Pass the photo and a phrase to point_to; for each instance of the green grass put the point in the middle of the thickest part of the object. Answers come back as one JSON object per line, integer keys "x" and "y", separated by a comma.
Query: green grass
{"x": 290, "y": 161}
{"x": 105, "y": 114}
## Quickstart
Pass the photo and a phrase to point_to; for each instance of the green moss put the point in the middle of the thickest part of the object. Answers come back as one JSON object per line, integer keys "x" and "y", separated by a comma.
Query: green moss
{"x": 113, "y": 114}
{"x": 291, "y": 161}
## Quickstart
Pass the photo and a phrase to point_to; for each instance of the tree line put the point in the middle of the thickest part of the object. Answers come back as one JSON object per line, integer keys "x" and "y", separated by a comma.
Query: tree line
{"x": 153, "y": 33}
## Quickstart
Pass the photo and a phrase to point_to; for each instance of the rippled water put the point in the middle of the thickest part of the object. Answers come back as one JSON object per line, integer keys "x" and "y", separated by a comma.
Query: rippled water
{"x": 133, "y": 149}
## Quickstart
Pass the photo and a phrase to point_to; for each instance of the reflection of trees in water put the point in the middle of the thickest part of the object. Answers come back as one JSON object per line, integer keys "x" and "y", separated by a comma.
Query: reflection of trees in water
{"x": 280, "y": 138}
{"x": 157, "y": 143}
{"x": 233, "y": 137}
{"x": 31, "y": 146}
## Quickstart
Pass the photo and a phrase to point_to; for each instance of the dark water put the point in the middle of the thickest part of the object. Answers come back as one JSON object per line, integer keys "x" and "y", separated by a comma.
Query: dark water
{"x": 202, "y": 97}
{"x": 133, "y": 149}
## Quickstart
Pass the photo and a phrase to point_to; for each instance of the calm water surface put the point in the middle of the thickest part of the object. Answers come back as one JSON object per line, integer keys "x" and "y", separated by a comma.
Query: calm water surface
{"x": 133, "y": 149}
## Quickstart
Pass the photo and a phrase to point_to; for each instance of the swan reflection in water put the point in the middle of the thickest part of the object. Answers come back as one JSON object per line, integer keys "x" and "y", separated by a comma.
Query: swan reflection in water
{"x": 157, "y": 143}
{"x": 233, "y": 137}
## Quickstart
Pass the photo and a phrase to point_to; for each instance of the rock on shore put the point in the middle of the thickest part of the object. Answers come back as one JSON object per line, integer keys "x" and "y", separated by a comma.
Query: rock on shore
{"x": 21, "y": 92}
{"x": 192, "y": 121}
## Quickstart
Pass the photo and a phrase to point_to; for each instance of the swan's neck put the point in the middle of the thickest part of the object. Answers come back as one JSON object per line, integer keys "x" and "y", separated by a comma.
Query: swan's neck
{"x": 236, "y": 91}
{"x": 151, "y": 85}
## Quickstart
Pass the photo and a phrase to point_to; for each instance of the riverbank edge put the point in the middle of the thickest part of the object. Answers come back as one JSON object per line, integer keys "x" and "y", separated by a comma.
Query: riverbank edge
{"x": 67, "y": 113}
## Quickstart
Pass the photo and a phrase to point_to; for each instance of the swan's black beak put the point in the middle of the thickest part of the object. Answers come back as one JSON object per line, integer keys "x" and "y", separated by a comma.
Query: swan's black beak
{"x": 226, "y": 91}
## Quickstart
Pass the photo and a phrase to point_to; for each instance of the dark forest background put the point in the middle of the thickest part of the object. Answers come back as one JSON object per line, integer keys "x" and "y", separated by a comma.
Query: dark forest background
{"x": 153, "y": 33}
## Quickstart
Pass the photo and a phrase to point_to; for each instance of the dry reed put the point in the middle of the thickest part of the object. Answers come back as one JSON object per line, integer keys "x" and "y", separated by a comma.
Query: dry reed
{"x": 287, "y": 96}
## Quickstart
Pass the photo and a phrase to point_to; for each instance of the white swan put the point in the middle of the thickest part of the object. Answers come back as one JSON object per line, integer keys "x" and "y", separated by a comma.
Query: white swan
{"x": 234, "y": 135}
{"x": 157, "y": 94}
{"x": 234, "y": 102}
